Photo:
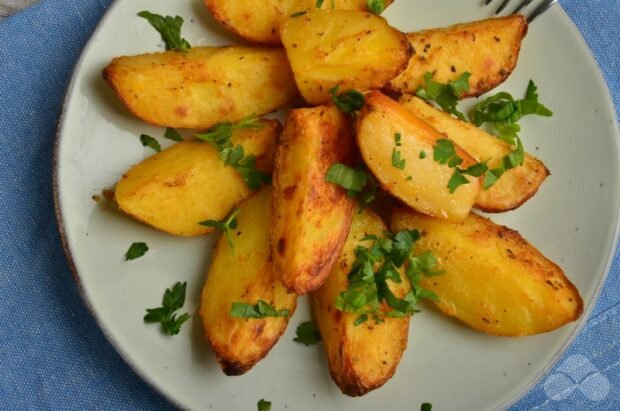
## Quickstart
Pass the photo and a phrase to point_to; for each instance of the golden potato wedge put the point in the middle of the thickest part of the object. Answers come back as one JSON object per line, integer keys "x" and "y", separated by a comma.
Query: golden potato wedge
{"x": 364, "y": 357}
{"x": 515, "y": 187}
{"x": 494, "y": 281}
{"x": 423, "y": 182}
{"x": 311, "y": 216}
{"x": 246, "y": 276}
{"x": 350, "y": 49}
{"x": 260, "y": 21}
{"x": 188, "y": 183}
{"x": 488, "y": 49}
{"x": 204, "y": 86}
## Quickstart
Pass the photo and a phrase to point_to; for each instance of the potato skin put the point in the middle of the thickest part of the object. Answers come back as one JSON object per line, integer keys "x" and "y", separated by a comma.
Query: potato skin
{"x": 311, "y": 216}
{"x": 245, "y": 276}
{"x": 495, "y": 281}
{"x": 365, "y": 357}
{"x": 188, "y": 183}
{"x": 488, "y": 49}
{"x": 260, "y": 21}
{"x": 350, "y": 49}
{"x": 515, "y": 187}
{"x": 204, "y": 86}
{"x": 427, "y": 189}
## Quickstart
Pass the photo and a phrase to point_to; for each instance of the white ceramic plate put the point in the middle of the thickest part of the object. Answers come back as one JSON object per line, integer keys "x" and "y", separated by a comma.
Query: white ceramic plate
{"x": 573, "y": 220}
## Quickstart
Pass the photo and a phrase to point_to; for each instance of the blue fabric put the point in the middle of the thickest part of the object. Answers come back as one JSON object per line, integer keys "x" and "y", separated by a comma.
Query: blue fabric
{"x": 53, "y": 356}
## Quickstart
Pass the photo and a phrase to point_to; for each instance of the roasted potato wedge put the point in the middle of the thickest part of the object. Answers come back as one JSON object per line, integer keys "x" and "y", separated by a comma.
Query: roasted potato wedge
{"x": 422, "y": 183}
{"x": 188, "y": 183}
{"x": 515, "y": 187}
{"x": 260, "y": 21}
{"x": 488, "y": 49}
{"x": 361, "y": 358}
{"x": 494, "y": 281}
{"x": 204, "y": 86}
{"x": 245, "y": 275}
{"x": 349, "y": 49}
{"x": 311, "y": 216}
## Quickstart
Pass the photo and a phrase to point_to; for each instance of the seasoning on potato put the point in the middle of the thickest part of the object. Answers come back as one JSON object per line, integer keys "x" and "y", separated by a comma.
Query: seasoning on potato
{"x": 400, "y": 149}
{"x": 203, "y": 86}
{"x": 488, "y": 49}
{"x": 244, "y": 306}
{"x": 345, "y": 49}
{"x": 494, "y": 281}
{"x": 188, "y": 183}
{"x": 311, "y": 216}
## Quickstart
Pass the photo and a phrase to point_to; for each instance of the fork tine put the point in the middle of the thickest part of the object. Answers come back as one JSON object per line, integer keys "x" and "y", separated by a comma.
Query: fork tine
{"x": 541, "y": 9}
{"x": 502, "y": 6}
{"x": 487, "y": 2}
{"x": 521, "y": 6}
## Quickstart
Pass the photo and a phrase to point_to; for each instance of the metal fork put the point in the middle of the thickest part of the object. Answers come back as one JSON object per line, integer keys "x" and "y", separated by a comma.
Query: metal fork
{"x": 544, "y": 6}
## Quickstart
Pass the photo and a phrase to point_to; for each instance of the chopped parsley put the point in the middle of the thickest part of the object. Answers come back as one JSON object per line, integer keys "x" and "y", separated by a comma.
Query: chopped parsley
{"x": 264, "y": 405}
{"x": 136, "y": 250}
{"x": 220, "y": 136}
{"x": 368, "y": 279}
{"x": 503, "y": 112}
{"x": 397, "y": 162}
{"x": 226, "y": 226}
{"x": 172, "y": 134}
{"x": 349, "y": 101}
{"x": 422, "y": 155}
{"x": 444, "y": 152}
{"x": 376, "y": 6}
{"x": 427, "y": 406}
{"x": 445, "y": 95}
{"x": 148, "y": 141}
{"x": 299, "y": 14}
{"x": 358, "y": 183}
{"x": 173, "y": 300}
{"x": 307, "y": 333}
{"x": 261, "y": 309}
{"x": 170, "y": 29}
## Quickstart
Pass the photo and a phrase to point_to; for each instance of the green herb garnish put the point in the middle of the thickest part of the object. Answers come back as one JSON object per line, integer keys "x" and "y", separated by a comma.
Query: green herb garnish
{"x": 374, "y": 265}
{"x": 376, "y": 6}
{"x": 444, "y": 152}
{"x": 260, "y": 310}
{"x": 226, "y": 226}
{"x": 503, "y": 112}
{"x": 170, "y": 29}
{"x": 349, "y": 101}
{"x": 299, "y": 14}
{"x": 427, "y": 406}
{"x": 136, "y": 250}
{"x": 220, "y": 136}
{"x": 264, "y": 405}
{"x": 358, "y": 183}
{"x": 148, "y": 141}
{"x": 307, "y": 333}
{"x": 445, "y": 95}
{"x": 397, "y": 161}
{"x": 422, "y": 155}
{"x": 172, "y": 134}
{"x": 173, "y": 300}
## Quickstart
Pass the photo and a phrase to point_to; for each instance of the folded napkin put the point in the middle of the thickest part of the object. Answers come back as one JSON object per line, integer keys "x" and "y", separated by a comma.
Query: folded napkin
{"x": 53, "y": 356}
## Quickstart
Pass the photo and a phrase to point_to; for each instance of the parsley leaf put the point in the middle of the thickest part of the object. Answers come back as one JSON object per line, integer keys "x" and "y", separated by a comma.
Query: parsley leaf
{"x": 356, "y": 181}
{"x": 319, "y": 4}
{"x": 299, "y": 13}
{"x": 307, "y": 333}
{"x": 503, "y": 111}
{"x": 148, "y": 141}
{"x": 136, "y": 250}
{"x": 172, "y": 134}
{"x": 349, "y": 101}
{"x": 445, "y": 95}
{"x": 264, "y": 405}
{"x": 444, "y": 152}
{"x": 225, "y": 226}
{"x": 397, "y": 162}
{"x": 376, "y": 6}
{"x": 368, "y": 292}
{"x": 422, "y": 155}
{"x": 173, "y": 299}
{"x": 170, "y": 29}
{"x": 260, "y": 310}
{"x": 220, "y": 136}
{"x": 427, "y": 406}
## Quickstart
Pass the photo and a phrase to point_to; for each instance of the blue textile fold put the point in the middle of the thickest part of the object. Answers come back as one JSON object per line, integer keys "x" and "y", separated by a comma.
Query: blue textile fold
{"x": 52, "y": 354}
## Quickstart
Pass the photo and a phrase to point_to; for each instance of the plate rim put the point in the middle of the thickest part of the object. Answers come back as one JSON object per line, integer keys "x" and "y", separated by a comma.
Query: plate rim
{"x": 61, "y": 225}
